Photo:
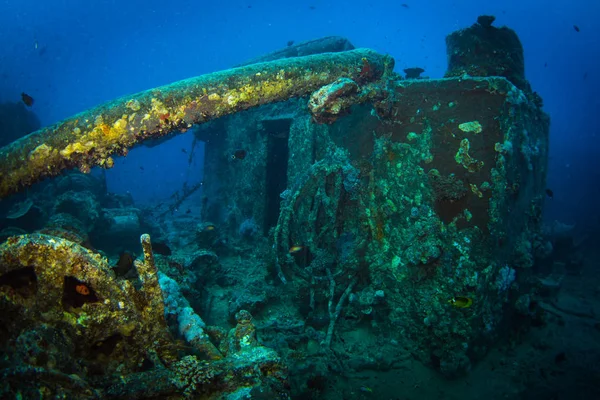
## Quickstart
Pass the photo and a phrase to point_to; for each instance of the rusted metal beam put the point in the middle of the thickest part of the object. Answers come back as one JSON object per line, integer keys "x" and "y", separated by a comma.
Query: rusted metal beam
{"x": 90, "y": 138}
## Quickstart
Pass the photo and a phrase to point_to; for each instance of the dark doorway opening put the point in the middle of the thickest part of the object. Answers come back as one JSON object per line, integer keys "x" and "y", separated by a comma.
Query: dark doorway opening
{"x": 278, "y": 133}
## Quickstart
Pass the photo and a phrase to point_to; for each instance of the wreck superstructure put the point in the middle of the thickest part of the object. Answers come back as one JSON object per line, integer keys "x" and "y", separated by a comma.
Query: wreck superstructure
{"x": 381, "y": 199}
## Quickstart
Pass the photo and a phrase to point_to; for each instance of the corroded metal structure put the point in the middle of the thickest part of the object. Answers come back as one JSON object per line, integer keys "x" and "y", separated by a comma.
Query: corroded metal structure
{"x": 70, "y": 318}
{"x": 433, "y": 193}
{"x": 414, "y": 204}
{"x": 90, "y": 138}
{"x": 423, "y": 191}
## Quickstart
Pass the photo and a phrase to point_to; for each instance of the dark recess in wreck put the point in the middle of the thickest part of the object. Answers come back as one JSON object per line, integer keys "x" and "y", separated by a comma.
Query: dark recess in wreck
{"x": 278, "y": 132}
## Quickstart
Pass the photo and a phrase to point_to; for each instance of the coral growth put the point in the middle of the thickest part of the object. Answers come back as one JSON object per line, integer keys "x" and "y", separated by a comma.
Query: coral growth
{"x": 90, "y": 138}
{"x": 69, "y": 319}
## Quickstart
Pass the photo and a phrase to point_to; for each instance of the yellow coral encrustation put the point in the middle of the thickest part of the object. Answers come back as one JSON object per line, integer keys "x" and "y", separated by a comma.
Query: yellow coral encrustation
{"x": 158, "y": 107}
{"x": 476, "y": 190}
{"x": 116, "y": 307}
{"x": 90, "y": 137}
{"x": 261, "y": 89}
{"x": 101, "y": 134}
{"x": 463, "y": 157}
{"x": 41, "y": 152}
{"x": 133, "y": 105}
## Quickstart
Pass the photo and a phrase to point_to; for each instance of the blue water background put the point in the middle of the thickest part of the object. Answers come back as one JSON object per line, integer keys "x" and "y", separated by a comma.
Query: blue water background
{"x": 93, "y": 51}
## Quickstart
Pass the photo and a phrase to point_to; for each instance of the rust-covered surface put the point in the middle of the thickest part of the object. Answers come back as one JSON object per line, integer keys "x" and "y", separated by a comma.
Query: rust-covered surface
{"x": 437, "y": 191}
{"x": 92, "y": 137}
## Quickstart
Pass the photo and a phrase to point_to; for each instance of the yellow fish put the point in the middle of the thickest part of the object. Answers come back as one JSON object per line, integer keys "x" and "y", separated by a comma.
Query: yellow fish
{"x": 296, "y": 249}
{"x": 461, "y": 302}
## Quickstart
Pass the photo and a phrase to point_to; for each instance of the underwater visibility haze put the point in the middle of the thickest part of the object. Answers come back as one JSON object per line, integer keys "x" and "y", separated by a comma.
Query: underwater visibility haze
{"x": 302, "y": 200}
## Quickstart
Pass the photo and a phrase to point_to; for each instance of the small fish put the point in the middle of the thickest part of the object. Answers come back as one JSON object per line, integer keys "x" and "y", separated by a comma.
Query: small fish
{"x": 161, "y": 248}
{"x": 296, "y": 249}
{"x": 27, "y": 99}
{"x": 124, "y": 264}
{"x": 461, "y": 302}
{"x": 290, "y": 42}
{"x": 404, "y": 5}
{"x": 188, "y": 211}
{"x": 142, "y": 168}
{"x": 312, "y": 7}
{"x": 82, "y": 289}
{"x": 550, "y": 193}
{"x": 545, "y": 64}
{"x": 366, "y": 389}
{"x": 576, "y": 28}
{"x": 35, "y": 45}
{"x": 209, "y": 228}
{"x": 184, "y": 151}
{"x": 239, "y": 154}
